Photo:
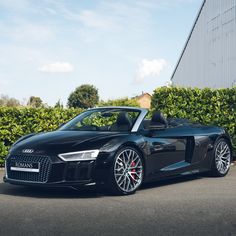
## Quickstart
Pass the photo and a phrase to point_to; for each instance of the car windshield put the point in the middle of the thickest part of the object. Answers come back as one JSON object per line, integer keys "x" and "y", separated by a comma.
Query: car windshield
{"x": 103, "y": 119}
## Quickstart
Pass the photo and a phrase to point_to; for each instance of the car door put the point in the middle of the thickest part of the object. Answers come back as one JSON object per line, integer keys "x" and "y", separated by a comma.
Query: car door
{"x": 169, "y": 152}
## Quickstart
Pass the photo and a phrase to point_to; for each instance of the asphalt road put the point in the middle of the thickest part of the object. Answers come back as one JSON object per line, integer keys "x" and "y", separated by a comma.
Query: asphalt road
{"x": 188, "y": 206}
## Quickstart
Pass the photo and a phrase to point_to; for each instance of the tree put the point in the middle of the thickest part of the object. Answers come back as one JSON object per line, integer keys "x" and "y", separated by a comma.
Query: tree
{"x": 85, "y": 96}
{"x": 35, "y": 102}
{"x": 58, "y": 104}
{"x": 9, "y": 102}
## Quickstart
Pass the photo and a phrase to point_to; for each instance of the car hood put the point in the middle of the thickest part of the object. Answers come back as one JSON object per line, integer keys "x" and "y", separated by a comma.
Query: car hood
{"x": 65, "y": 141}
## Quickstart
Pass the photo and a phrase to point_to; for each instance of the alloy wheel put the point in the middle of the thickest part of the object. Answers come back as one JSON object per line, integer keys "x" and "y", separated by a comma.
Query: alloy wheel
{"x": 222, "y": 157}
{"x": 128, "y": 170}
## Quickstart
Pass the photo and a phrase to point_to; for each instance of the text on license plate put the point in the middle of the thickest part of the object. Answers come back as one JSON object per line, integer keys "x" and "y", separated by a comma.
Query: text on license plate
{"x": 25, "y": 166}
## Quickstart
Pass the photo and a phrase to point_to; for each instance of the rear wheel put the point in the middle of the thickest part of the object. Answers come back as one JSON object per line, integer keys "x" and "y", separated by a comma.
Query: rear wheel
{"x": 222, "y": 158}
{"x": 127, "y": 171}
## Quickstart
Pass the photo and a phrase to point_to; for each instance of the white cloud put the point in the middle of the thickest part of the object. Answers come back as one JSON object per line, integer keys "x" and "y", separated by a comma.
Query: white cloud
{"x": 15, "y": 5}
{"x": 57, "y": 67}
{"x": 163, "y": 4}
{"x": 23, "y": 31}
{"x": 95, "y": 20}
{"x": 91, "y": 19}
{"x": 149, "y": 68}
{"x": 51, "y": 11}
{"x": 113, "y": 16}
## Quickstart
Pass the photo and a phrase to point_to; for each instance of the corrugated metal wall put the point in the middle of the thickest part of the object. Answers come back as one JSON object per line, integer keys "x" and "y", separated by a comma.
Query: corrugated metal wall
{"x": 209, "y": 58}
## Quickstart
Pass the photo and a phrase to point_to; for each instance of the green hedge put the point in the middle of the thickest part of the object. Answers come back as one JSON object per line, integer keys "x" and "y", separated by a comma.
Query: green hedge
{"x": 131, "y": 102}
{"x": 206, "y": 106}
{"x": 16, "y": 122}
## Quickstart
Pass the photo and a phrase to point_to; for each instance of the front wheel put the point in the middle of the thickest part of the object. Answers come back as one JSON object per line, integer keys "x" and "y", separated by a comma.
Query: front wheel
{"x": 127, "y": 171}
{"x": 222, "y": 158}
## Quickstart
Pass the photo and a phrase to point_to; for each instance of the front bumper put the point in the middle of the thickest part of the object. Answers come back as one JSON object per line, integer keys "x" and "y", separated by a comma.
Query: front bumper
{"x": 55, "y": 172}
{"x": 49, "y": 184}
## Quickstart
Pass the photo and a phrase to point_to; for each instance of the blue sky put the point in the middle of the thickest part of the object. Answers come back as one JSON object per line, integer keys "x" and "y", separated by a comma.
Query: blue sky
{"x": 123, "y": 47}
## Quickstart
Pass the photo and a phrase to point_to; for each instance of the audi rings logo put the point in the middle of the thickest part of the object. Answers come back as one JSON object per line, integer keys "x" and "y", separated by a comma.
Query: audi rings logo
{"x": 28, "y": 150}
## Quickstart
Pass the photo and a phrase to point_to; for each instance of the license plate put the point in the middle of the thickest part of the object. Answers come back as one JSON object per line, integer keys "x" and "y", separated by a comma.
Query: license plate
{"x": 25, "y": 166}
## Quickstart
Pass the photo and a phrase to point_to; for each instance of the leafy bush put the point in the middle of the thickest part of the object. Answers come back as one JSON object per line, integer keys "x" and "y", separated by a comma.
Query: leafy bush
{"x": 206, "y": 106}
{"x": 16, "y": 122}
{"x": 131, "y": 102}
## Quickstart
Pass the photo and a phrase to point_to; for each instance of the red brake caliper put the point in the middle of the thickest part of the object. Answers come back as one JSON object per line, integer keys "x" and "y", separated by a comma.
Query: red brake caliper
{"x": 133, "y": 170}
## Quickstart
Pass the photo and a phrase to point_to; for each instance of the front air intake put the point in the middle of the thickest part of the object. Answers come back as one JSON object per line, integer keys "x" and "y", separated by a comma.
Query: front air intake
{"x": 43, "y": 163}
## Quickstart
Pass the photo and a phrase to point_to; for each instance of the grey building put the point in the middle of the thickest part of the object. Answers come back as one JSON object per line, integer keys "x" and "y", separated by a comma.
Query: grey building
{"x": 209, "y": 55}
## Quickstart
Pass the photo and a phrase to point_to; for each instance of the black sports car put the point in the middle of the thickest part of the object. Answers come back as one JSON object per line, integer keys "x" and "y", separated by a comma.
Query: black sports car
{"x": 119, "y": 148}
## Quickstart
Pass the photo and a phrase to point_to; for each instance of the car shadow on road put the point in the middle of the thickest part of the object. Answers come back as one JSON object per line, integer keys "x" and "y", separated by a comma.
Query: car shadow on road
{"x": 39, "y": 192}
{"x": 170, "y": 181}
{"x": 82, "y": 192}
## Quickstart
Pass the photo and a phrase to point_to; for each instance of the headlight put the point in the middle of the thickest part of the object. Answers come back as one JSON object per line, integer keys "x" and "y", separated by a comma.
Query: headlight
{"x": 80, "y": 156}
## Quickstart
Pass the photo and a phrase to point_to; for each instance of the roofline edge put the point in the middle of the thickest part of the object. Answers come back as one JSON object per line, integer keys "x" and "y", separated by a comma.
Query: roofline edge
{"x": 188, "y": 39}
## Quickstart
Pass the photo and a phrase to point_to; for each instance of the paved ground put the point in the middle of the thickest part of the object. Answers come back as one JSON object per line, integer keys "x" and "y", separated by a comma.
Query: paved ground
{"x": 190, "y": 206}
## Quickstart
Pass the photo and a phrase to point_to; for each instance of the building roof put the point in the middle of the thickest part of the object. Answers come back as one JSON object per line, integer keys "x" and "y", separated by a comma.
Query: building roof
{"x": 142, "y": 95}
{"x": 190, "y": 34}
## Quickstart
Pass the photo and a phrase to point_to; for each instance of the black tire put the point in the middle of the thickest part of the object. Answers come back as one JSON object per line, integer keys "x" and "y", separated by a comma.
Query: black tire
{"x": 217, "y": 169}
{"x": 130, "y": 173}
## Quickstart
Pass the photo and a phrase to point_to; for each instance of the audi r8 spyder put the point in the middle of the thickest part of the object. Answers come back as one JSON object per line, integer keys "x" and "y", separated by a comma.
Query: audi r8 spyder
{"x": 120, "y": 148}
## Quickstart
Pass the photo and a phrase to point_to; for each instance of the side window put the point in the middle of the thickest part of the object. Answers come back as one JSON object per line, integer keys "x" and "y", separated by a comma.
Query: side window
{"x": 133, "y": 116}
{"x": 98, "y": 119}
{"x": 145, "y": 125}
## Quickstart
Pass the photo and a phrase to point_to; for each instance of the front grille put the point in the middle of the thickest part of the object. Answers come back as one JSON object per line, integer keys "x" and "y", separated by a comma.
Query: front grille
{"x": 41, "y": 177}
